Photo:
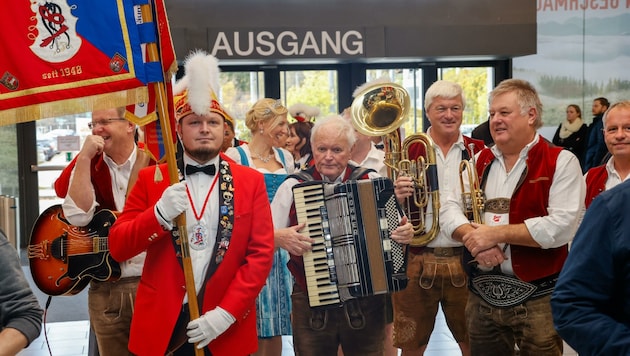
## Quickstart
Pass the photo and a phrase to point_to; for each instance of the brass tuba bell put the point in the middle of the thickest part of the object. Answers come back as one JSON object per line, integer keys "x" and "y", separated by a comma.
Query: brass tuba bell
{"x": 379, "y": 110}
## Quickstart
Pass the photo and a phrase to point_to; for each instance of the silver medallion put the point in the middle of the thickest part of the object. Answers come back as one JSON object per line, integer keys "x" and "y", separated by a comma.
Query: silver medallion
{"x": 199, "y": 237}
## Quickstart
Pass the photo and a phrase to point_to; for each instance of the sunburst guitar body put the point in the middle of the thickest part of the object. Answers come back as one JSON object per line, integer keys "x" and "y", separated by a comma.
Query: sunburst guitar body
{"x": 64, "y": 258}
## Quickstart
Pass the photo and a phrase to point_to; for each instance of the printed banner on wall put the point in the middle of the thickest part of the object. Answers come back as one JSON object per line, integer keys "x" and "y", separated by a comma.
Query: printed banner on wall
{"x": 71, "y": 56}
{"x": 583, "y": 53}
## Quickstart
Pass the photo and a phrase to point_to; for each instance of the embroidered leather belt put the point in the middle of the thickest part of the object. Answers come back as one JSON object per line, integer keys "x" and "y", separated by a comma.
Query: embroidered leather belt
{"x": 438, "y": 251}
{"x": 503, "y": 291}
{"x": 497, "y": 205}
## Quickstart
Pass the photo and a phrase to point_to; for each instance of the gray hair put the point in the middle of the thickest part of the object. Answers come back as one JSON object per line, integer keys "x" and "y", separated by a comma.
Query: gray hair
{"x": 526, "y": 96}
{"x": 338, "y": 124}
{"x": 620, "y": 105}
{"x": 443, "y": 89}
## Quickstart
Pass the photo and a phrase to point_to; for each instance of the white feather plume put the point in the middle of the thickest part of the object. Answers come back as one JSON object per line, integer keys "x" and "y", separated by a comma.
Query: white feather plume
{"x": 307, "y": 111}
{"x": 362, "y": 87}
{"x": 180, "y": 86}
{"x": 201, "y": 79}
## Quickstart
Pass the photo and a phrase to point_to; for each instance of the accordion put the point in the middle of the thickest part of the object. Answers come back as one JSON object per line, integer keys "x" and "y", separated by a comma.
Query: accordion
{"x": 353, "y": 255}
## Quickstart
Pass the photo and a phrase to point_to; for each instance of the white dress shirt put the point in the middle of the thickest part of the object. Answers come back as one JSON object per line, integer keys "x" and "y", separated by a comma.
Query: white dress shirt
{"x": 198, "y": 185}
{"x": 566, "y": 200}
{"x": 449, "y": 181}
{"x": 375, "y": 159}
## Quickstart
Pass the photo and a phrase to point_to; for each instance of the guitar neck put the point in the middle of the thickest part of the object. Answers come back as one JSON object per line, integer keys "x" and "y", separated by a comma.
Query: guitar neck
{"x": 100, "y": 244}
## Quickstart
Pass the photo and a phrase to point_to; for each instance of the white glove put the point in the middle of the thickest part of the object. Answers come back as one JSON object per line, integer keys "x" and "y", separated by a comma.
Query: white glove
{"x": 173, "y": 202}
{"x": 209, "y": 326}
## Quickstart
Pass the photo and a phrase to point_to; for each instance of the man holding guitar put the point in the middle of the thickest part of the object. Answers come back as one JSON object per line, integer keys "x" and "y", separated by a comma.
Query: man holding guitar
{"x": 98, "y": 179}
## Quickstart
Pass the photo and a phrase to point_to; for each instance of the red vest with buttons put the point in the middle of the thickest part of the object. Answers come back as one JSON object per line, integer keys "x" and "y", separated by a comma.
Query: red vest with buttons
{"x": 530, "y": 199}
{"x": 100, "y": 178}
{"x": 101, "y": 181}
{"x": 595, "y": 183}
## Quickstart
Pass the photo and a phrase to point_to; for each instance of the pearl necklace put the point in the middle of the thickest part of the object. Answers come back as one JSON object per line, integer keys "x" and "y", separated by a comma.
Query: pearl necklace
{"x": 263, "y": 159}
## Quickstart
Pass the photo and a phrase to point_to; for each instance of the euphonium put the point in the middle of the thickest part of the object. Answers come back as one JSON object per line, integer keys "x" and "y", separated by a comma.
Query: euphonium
{"x": 473, "y": 197}
{"x": 380, "y": 110}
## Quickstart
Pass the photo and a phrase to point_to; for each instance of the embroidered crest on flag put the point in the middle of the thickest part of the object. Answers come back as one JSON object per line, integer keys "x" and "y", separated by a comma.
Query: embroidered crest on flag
{"x": 54, "y": 36}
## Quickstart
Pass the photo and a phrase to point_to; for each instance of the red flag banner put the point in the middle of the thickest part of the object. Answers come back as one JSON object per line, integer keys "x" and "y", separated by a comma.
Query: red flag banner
{"x": 70, "y": 56}
{"x": 165, "y": 41}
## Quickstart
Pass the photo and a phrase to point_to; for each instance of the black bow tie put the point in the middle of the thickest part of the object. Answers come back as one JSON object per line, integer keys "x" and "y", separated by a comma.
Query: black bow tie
{"x": 380, "y": 146}
{"x": 209, "y": 169}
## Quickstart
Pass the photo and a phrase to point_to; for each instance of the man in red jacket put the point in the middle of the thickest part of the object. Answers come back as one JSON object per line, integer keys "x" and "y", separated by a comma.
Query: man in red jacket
{"x": 230, "y": 257}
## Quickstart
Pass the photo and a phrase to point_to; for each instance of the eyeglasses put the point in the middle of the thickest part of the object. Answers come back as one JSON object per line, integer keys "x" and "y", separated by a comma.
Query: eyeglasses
{"x": 104, "y": 122}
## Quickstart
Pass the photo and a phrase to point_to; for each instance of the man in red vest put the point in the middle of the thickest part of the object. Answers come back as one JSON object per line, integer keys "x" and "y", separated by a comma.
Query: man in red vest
{"x": 533, "y": 196}
{"x": 436, "y": 276}
{"x": 98, "y": 178}
{"x": 358, "y": 325}
{"x": 592, "y": 290}
{"x": 616, "y": 123}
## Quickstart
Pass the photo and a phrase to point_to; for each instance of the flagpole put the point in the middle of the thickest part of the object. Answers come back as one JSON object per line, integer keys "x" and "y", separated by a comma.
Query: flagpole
{"x": 169, "y": 150}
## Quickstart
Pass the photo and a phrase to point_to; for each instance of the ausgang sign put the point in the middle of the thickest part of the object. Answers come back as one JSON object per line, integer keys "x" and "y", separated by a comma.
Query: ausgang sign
{"x": 257, "y": 44}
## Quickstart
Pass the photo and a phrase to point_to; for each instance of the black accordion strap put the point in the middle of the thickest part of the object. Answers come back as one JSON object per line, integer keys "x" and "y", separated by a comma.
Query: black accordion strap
{"x": 308, "y": 175}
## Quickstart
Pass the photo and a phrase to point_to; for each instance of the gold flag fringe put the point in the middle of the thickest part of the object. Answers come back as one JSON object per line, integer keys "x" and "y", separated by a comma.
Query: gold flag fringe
{"x": 73, "y": 106}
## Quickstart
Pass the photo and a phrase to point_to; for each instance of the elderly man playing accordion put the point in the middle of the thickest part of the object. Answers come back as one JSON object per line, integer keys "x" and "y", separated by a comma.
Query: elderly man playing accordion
{"x": 534, "y": 193}
{"x": 359, "y": 325}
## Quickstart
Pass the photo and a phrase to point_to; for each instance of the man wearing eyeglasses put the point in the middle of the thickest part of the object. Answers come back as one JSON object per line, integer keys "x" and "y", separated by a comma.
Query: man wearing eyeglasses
{"x": 98, "y": 179}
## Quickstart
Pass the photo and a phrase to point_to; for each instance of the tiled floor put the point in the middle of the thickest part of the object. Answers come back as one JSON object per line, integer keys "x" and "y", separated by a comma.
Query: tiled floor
{"x": 67, "y": 338}
{"x": 70, "y": 338}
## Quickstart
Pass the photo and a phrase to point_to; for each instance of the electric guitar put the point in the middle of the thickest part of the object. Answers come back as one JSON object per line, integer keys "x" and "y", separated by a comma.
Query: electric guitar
{"x": 64, "y": 258}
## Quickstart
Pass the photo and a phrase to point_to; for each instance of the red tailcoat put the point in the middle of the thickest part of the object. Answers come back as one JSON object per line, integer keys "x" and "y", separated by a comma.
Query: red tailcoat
{"x": 233, "y": 286}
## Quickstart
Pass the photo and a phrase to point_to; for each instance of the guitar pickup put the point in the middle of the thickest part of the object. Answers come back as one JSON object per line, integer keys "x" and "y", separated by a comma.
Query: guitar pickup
{"x": 59, "y": 246}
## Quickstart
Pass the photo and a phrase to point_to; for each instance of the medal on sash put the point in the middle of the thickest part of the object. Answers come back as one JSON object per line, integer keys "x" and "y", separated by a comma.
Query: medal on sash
{"x": 198, "y": 240}
{"x": 199, "y": 237}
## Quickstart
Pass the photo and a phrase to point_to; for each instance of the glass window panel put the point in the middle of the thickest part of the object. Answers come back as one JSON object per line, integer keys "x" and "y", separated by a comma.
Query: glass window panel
{"x": 316, "y": 88}
{"x": 476, "y": 82}
{"x": 50, "y": 158}
{"x": 239, "y": 91}
{"x": 411, "y": 80}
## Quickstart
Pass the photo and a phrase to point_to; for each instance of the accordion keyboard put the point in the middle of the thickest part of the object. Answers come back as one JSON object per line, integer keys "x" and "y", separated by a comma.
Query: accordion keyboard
{"x": 353, "y": 255}
{"x": 318, "y": 263}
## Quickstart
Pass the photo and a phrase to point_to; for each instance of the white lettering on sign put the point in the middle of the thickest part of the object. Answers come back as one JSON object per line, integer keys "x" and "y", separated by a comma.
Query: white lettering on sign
{"x": 287, "y": 43}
